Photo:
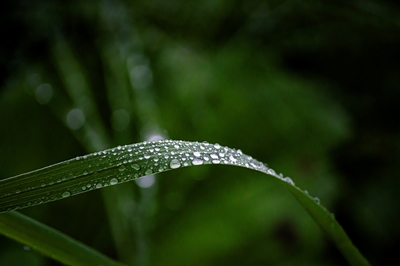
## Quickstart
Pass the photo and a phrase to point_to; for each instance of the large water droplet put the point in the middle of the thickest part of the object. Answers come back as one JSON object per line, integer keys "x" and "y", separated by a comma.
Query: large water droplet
{"x": 288, "y": 180}
{"x": 214, "y": 156}
{"x": 175, "y": 163}
{"x": 135, "y": 166}
{"x": 148, "y": 171}
{"x": 197, "y": 161}
{"x": 113, "y": 181}
{"x": 271, "y": 171}
{"x": 197, "y": 154}
{"x": 66, "y": 194}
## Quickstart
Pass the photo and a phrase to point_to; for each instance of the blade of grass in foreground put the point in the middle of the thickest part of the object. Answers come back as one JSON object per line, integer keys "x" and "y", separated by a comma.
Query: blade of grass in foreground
{"x": 50, "y": 241}
{"x": 125, "y": 163}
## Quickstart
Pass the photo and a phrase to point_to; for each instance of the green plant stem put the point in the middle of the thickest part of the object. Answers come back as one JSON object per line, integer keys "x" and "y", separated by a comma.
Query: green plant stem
{"x": 50, "y": 242}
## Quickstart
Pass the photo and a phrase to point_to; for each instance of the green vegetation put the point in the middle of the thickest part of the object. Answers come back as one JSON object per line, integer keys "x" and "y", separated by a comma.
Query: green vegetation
{"x": 311, "y": 88}
{"x": 122, "y": 164}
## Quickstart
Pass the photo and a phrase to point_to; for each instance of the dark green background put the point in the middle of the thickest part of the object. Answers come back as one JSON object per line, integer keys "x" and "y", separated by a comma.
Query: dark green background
{"x": 310, "y": 87}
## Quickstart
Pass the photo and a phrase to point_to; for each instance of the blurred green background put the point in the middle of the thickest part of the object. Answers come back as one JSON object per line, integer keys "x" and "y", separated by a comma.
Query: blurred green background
{"x": 310, "y": 87}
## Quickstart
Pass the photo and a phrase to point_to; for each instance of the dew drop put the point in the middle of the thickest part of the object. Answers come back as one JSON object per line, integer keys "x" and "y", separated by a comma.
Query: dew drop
{"x": 99, "y": 185}
{"x": 215, "y": 161}
{"x": 288, "y": 180}
{"x": 66, "y": 194}
{"x": 217, "y": 146}
{"x": 317, "y": 200}
{"x": 148, "y": 171}
{"x": 135, "y": 166}
{"x": 147, "y": 156}
{"x": 122, "y": 168}
{"x": 175, "y": 163}
{"x": 113, "y": 181}
{"x": 271, "y": 171}
{"x": 83, "y": 187}
{"x": 214, "y": 156}
{"x": 197, "y": 161}
{"x": 233, "y": 159}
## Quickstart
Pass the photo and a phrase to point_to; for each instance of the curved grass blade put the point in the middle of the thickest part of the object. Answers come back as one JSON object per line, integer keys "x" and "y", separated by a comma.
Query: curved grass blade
{"x": 125, "y": 163}
{"x": 50, "y": 241}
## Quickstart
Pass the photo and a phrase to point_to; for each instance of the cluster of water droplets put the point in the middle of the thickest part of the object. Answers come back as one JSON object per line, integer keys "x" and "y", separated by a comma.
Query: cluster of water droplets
{"x": 118, "y": 165}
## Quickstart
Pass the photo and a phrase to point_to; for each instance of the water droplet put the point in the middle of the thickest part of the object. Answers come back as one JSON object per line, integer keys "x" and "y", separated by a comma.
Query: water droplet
{"x": 214, "y": 156}
{"x": 217, "y": 146}
{"x": 271, "y": 171}
{"x": 113, "y": 181}
{"x": 197, "y": 161}
{"x": 99, "y": 185}
{"x": 83, "y": 187}
{"x": 215, "y": 161}
{"x": 147, "y": 156}
{"x": 288, "y": 180}
{"x": 148, "y": 171}
{"x": 135, "y": 166}
{"x": 175, "y": 163}
{"x": 122, "y": 168}
{"x": 66, "y": 194}
{"x": 18, "y": 191}
{"x": 233, "y": 159}
{"x": 176, "y": 146}
{"x": 317, "y": 200}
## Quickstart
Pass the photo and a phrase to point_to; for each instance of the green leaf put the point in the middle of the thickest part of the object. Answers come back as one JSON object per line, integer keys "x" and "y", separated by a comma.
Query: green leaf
{"x": 50, "y": 241}
{"x": 125, "y": 163}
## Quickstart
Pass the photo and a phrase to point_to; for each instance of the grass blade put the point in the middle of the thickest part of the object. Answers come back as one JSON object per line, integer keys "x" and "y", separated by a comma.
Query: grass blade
{"x": 50, "y": 241}
{"x": 125, "y": 163}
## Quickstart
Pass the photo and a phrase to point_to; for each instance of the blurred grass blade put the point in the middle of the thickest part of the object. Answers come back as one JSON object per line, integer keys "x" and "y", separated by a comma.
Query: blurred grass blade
{"x": 50, "y": 241}
{"x": 125, "y": 163}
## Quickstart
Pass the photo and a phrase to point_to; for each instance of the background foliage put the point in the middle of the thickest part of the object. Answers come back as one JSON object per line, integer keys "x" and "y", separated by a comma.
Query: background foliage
{"x": 309, "y": 87}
